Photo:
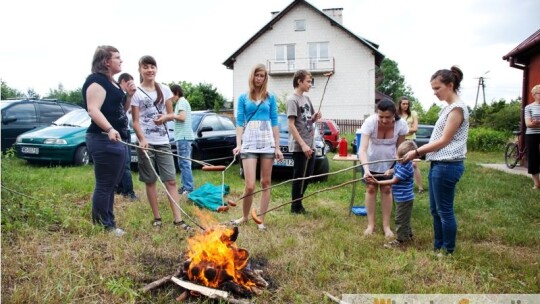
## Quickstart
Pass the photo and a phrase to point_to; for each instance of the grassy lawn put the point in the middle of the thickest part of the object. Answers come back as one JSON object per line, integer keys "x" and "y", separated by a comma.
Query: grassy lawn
{"x": 51, "y": 252}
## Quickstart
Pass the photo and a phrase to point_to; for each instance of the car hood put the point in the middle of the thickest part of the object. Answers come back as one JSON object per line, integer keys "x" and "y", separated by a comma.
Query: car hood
{"x": 53, "y": 132}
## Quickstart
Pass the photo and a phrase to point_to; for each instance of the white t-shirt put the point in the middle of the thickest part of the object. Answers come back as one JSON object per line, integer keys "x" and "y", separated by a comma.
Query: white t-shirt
{"x": 381, "y": 149}
{"x": 154, "y": 134}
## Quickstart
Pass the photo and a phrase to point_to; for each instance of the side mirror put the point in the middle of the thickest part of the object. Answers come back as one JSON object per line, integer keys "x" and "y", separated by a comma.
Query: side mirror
{"x": 204, "y": 129}
{"x": 8, "y": 119}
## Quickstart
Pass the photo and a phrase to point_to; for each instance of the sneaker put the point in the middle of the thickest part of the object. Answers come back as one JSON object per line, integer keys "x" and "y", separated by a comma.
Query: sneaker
{"x": 183, "y": 225}
{"x": 181, "y": 190}
{"x": 157, "y": 223}
{"x": 131, "y": 196}
{"x": 261, "y": 227}
{"x": 394, "y": 244}
{"x": 117, "y": 232}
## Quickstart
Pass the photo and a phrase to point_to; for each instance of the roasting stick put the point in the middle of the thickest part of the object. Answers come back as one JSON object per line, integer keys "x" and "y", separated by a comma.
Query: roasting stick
{"x": 329, "y": 74}
{"x": 231, "y": 202}
{"x": 169, "y": 195}
{"x": 256, "y": 216}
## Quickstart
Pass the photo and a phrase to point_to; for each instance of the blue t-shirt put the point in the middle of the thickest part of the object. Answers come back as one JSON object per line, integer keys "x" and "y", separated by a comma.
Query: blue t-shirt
{"x": 247, "y": 109}
{"x": 403, "y": 190}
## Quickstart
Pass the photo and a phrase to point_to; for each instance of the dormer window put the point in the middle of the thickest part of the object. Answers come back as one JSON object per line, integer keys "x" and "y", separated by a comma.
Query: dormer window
{"x": 299, "y": 25}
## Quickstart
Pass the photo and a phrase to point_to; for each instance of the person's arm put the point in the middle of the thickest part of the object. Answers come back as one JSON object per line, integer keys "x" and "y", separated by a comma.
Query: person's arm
{"x": 530, "y": 122}
{"x": 275, "y": 127}
{"x": 239, "y": 133}
{"x": 137, "y": 127}
{"x": 392, "y": 181}
{"x": 455, "y": 119}
{"x": 180, "y": 113}
{"x": 240, "y": 117}
{"x": 278, "y": 154}
{"x": 131, "y": 88}
{"x": 95, "y": 97}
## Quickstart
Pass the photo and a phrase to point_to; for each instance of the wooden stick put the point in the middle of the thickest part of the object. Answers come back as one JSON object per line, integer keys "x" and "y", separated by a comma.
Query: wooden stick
{"x": 209, "y": 292}
{"x": 331, "y": 297}
{"x": 160, "y": 282}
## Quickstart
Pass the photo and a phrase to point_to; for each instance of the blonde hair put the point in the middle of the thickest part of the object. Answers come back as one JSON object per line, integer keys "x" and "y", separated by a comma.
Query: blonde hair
{"x": 535, "y": 89}
{"x": 405, "y": 147}
{"x": 254, "y": 92}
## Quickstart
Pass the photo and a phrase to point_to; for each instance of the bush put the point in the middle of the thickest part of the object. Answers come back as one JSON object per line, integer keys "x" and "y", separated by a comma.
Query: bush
{"x": 486, "y": 140}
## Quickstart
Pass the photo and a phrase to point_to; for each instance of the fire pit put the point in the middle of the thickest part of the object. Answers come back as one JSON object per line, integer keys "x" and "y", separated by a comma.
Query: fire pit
{"x": 215, "y": 267}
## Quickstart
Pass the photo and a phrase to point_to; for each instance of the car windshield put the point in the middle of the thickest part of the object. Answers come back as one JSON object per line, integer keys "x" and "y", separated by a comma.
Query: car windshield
{"x": 195, "y": 120}
{"x": 77, "y": 118}
{"x": 6, "y": 103}
{"x": 283, "y": 123}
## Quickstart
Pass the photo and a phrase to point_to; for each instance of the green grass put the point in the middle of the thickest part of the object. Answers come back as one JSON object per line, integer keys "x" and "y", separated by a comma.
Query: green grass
{"x": 51, "y": 252}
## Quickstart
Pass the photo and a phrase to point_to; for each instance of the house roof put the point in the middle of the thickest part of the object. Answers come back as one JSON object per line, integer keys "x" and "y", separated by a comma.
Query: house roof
{"x": 521, "y": 53}
{"x": 229, "y": 63}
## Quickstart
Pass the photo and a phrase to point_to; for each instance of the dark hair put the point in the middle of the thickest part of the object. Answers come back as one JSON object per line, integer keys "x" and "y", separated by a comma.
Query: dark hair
{"x": 300, "y": 75}
{"x": 388, "y": 105}
{"x": 402, "y": 98}
{"x": 149, "y": 60}
{"x": 124, "y": 77}
{"x": 101, "y": 55}
{"x": 454, "y": 76}
{"x": 177, "y": 90}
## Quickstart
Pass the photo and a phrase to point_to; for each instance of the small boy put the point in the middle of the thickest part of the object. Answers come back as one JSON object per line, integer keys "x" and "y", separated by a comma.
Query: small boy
{"x": 402, "y": 190}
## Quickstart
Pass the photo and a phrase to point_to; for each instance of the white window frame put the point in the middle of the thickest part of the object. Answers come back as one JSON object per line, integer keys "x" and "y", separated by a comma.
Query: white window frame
{"x": 299, "y": 25}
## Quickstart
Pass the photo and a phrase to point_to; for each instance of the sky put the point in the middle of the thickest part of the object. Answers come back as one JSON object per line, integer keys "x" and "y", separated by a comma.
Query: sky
{"x": 50, "y": 43}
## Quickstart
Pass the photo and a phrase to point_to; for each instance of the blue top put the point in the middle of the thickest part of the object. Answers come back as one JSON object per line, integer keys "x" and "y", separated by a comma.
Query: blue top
{"x": 403, "y": 190}
{"x": 267, "y": 111}
{"x": 113, "y": 106}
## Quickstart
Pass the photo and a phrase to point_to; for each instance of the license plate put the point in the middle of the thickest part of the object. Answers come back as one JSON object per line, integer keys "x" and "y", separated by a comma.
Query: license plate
{"x": 284, "y": 162}
{"x": 134, "y": 158}
{"x": 30, "y": 150}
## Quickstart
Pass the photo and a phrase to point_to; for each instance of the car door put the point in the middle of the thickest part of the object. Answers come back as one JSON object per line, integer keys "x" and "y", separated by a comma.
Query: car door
{"x": 17, "y": 119}
{"x": 215, "y": 137}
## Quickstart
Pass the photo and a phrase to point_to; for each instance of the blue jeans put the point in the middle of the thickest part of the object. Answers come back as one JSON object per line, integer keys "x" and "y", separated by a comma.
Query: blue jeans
{"x": 125, "y": 186}
{"x": 109, "y": 160}
{"x": 443, "y": 178}
{"x": 184, "y": 150}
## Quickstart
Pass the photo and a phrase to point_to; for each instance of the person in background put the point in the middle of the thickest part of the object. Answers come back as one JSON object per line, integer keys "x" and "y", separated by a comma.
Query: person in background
{"x": 532, "y": 136}
{"x": 151, "y": 108}
{"x": 125, "y": 186}
{"x": 446, "y": 151}
{"x": 183, "y": 136}
{"x": 257, "y": 139}
{"x": 382, "y": 133}
{"x": 411, "y": 117}
{"x": 106, "y": 104}
{"x": 402, "y": 189}
{"x": 302, "y": 119}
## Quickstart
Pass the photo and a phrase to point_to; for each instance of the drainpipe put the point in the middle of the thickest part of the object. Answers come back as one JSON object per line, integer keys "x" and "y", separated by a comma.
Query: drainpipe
{"x": 524, "y": 103}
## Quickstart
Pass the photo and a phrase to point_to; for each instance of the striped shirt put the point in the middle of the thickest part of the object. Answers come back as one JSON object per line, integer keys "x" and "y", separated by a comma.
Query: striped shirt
{"x": 532, "y": 111}
{"x": 403, "y": 190}
{"x": 183, "y": 129}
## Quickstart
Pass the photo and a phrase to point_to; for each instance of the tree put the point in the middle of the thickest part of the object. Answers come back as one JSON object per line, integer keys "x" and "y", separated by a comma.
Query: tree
{"x": 8, "y": 92}
{"x": 202, "y": 96}
{"x": 393, "y": 84}
{"x": 431, "y": 116}
{"x": 60, "y": 93}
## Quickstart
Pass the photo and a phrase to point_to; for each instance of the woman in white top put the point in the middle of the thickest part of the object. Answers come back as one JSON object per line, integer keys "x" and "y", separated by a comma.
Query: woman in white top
{"x": 446, "y": 151}
{"x": 381, "y": 134}
{"x": 151, "y": 108}
{"x": 532, "y": 136}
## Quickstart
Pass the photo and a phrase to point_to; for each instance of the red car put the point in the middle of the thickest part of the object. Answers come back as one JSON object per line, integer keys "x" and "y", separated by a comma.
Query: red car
{"x": 330, "y": 131}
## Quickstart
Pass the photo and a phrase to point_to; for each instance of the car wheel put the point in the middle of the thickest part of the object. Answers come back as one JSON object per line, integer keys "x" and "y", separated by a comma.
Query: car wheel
{"x": 329, "y": 146}
{"x": 323, "y": 167}
{"x": 242, "y": 172}
{"x": 82, "y": 157}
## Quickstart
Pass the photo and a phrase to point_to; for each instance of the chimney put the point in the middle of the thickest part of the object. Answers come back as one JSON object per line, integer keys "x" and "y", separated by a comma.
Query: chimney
{"x": 335, "y": 13}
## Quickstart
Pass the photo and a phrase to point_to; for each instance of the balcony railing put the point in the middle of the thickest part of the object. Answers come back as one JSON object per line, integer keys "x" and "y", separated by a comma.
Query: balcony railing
{"x": 313, "y": 65}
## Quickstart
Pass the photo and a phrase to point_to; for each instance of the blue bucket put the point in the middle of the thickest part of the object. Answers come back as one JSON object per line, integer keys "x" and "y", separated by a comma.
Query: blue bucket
{"x": 359, "y": 210}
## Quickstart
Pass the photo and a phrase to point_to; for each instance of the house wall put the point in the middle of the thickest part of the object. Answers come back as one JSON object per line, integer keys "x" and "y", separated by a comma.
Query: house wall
{"x": 350, "y": 92}
{"x": 533, "y": 76}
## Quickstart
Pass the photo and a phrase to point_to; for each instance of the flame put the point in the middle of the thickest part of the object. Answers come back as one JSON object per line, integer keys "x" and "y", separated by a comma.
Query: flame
{"x": 214, "y": 258}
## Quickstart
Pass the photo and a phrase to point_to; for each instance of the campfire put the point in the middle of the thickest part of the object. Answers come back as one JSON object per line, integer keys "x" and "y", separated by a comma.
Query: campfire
{"x": 215, "y": 267}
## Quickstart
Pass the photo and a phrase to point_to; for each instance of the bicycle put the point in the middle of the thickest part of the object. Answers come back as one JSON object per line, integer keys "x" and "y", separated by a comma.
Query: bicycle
{"x": 513, "y": 152}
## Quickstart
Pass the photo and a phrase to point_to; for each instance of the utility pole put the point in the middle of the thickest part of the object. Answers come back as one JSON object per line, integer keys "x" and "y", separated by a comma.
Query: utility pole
{"x": 480, "y": 84}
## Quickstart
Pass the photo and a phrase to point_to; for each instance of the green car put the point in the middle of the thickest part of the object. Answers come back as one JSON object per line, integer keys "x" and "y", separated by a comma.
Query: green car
{"x": 64, "y": 141}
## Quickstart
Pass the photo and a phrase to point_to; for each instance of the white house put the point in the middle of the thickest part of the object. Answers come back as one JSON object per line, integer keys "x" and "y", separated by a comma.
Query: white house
{"x": 304, "y": 37}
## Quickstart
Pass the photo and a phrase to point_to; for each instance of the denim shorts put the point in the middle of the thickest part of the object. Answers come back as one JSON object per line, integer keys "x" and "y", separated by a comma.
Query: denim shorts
{"x": 257, "y": 155}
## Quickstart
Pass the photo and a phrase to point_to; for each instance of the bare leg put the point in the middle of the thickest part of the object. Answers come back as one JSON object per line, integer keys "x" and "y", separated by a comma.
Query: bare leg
{"x": 250, "y": 168}
{"x": 418, "y": 177}
{"x": 266, "y": 180}
{"x": 151, "y": 194}
{"x": 386, "y": 203}
{"x": 171, "y": 188}
{"x": 371, "y": 197}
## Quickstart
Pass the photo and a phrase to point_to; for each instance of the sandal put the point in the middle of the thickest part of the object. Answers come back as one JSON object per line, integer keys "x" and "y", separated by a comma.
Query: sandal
{"x": 183, "y": 225}
{"x": 157, "y": 222}
{"x": 420, "y": 191}
{"x": 238, "y": 222}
